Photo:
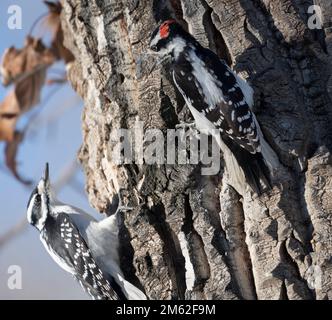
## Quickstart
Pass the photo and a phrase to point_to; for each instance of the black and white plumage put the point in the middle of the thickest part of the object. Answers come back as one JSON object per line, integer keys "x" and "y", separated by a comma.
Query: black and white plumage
{"x": 82, "y": 246}
{"x": 219, "y": 99}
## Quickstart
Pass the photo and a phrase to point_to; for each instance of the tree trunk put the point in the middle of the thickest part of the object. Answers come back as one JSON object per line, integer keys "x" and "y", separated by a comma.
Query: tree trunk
{"x": 192, "y": 236}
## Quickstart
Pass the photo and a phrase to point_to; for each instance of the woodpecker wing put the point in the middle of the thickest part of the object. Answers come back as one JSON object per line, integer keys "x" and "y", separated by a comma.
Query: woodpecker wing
{"x": 71, "y": 252}
{"x": 236, "y": 105}
{"x": 219, "y": 95}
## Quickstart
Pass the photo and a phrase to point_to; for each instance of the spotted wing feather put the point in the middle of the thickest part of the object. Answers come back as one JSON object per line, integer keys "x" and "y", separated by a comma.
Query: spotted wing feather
{"x": 231, "y": 113}
{"x": 71, "y": 250}
{"x": 235, "y": 108}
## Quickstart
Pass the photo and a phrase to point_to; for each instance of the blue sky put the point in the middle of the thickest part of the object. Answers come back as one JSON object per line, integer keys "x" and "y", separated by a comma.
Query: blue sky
{"x": 57, "y": 142}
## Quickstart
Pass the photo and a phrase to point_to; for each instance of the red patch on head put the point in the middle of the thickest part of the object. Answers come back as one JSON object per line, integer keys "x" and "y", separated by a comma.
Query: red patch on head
{"x": 164, "y": 28}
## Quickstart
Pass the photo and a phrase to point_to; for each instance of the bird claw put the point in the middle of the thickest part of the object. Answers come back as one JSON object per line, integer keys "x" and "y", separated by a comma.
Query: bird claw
{"x": 185, "y": 125}
{"x": 192, "y": 129}
{"x": 123, "y": 209}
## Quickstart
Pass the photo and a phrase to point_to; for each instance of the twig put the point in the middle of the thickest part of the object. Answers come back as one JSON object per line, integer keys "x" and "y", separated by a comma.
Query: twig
{"x": 14, "y": 231}
{"x": 40, "y": 18}
{"x": 50, "y": 118}
{"x": 35, "y": 115}
{"x": 66, "y": 176}
{"x": 77, "y": 187}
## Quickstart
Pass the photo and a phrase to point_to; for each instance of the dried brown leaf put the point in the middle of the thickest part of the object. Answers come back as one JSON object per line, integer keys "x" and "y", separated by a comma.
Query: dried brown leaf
{"x": 9, "y": 113}
{"x": 18, "y": 64}
{"x": 60, "y": 51}
{"x": 7, "y": 129}
{"x": 11, "y": 151}
{"x": 53, "y": 17}
{"x": 54, "y": 24}
{"x": 25, "y": 95}
{"x": 28, "y": 90}
{"x": 56, "y": 81}
{"x": 27, "y": 68}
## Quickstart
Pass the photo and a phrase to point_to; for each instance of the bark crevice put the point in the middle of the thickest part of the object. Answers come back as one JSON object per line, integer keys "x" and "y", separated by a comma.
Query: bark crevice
{"x": 171, "y": 250}
{"x": 196, "y": 248}
{"x": 238, "y": 254}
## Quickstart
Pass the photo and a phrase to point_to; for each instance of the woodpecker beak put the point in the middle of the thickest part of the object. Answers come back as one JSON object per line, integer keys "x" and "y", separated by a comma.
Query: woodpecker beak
{"x": 44, "y": 186}
{"x": 46, "y": 179}
{"x": 46, "y": 173}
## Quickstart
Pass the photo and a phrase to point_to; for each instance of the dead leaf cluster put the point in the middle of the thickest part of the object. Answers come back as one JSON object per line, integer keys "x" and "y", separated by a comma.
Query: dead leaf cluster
{"x": 26, "y": 70}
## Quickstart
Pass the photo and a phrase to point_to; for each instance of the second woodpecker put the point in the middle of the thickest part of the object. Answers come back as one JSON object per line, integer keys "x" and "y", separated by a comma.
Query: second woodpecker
{"x": 86, "y": 248}
{"x": 219, "y": 99}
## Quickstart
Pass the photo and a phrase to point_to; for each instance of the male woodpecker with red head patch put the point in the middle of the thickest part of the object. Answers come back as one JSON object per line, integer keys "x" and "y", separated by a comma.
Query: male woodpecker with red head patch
{"x": 219, "y": 99}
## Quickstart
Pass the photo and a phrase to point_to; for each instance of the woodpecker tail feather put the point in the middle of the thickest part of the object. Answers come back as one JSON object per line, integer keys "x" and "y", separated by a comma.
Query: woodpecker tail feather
{"x": 255, "y": 170}
{"x": 131, "y": 292}
{"x": 269, "y": 156}
{"x": 245, "y": 168}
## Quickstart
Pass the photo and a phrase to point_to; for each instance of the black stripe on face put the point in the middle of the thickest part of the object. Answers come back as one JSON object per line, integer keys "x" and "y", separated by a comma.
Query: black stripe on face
{"x": 154, "y": 34}
{"x": 36, "y": 209}
{"x": 35, "y": 191}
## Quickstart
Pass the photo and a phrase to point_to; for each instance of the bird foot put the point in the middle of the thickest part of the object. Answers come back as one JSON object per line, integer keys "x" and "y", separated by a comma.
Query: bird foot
{"x": 186, "y": 125}
{"x": 124, "y": 209}
{"x": 192, "y": 129}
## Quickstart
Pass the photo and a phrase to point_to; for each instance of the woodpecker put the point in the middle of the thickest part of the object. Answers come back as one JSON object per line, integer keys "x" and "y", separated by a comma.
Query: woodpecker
{"x": 220, "y": 101}
{"x": 81, "y": 245}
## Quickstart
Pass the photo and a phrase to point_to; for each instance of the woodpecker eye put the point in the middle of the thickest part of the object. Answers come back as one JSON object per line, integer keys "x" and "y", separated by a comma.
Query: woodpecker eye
{"x": 38, "y": 199}
{"x": 37, "y": 204}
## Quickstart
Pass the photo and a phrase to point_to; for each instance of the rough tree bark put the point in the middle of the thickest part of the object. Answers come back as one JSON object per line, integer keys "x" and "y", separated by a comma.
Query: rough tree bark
{"x": 277, "y": 246}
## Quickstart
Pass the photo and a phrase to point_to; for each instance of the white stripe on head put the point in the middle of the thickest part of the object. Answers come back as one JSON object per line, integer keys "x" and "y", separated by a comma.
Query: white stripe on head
{"x": 37, "y": 215}
{"x": 44, "y": 211}
{"x": 30, "y": 206}
{"x": 41, "y": 186}
{"x": 155, "y": 40}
